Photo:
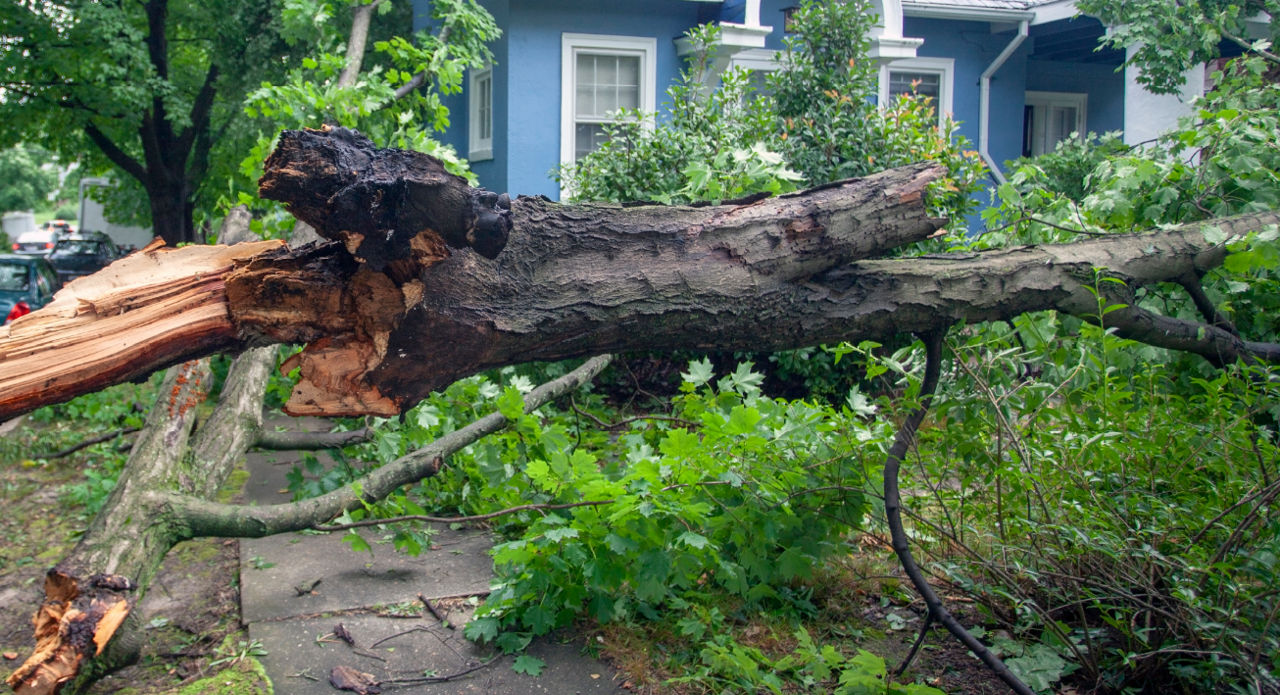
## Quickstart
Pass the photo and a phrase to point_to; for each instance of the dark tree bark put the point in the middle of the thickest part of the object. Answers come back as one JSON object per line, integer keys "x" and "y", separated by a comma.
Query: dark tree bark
{"x": 424, "y": 280}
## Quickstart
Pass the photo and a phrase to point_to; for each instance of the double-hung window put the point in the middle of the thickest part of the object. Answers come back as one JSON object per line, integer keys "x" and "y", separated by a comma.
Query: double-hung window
{"x": 480, "y": 123}
{"x": 600, "y": 76}
{"x": 926, "y": 77}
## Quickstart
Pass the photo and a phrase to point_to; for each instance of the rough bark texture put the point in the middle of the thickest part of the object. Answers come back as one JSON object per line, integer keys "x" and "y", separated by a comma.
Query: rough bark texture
{"x": 426, "y": 280}
{"x": 84, "y": 628}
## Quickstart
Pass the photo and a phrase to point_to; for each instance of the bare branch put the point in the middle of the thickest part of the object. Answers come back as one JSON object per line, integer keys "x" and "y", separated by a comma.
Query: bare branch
{"x": 205, "y": 518}
{"x": 311, "y": 441}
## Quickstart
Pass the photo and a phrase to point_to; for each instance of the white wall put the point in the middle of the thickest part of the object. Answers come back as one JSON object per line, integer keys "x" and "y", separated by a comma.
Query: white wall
{"x": 1146, "y": 115}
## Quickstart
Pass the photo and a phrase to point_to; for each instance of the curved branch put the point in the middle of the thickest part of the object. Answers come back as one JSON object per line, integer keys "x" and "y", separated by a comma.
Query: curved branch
{"x": 311, "y": 441}
{"x": 118, "y": 157}
{"x": 204, "y": 518}
{"x": 893, "y": 513}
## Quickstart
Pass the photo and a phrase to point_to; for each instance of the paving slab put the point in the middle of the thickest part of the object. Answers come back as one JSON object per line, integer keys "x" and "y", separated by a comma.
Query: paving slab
{"x": 294, "y": 588}
{"x": 304, "y": 573}
{"x": 303, "y": 652}
{"x": 279, "y": 575}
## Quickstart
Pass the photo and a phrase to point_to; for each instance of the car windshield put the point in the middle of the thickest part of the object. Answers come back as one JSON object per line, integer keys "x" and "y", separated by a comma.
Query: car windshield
{"x": 77, "y": 248}
{"x": 14, "y": 276}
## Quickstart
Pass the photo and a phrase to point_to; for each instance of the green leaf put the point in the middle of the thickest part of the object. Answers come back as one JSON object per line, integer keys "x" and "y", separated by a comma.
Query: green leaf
{"x": 700, "y": 372}
{"x": 528, "y": 665}
{"x": 357, "y": 542}
{"x": 693, "y": 540}
{"x": 482, "y": 629}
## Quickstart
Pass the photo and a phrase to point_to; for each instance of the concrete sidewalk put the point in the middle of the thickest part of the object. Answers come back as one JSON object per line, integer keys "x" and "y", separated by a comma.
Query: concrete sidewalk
{"x": 296, "y": 589}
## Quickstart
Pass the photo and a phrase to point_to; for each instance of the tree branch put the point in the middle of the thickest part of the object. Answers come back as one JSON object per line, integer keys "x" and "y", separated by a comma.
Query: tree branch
{"x": 460, "y": 519}
{"x": 893, "y": 513}
{"x": 311, "y": 441}
{"x": 118, "y": 157}
{"x": 361, "y": 16}
{"x": 201, "y": 109}
{"x": 205, "y": 518}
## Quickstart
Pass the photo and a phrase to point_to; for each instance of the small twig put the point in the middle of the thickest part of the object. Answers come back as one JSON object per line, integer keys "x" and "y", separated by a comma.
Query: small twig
{"x": 441, "y": 679}
{"x": 627, "y": 421}
{"x": 434, "y": 613}
{"x": 915, "y": 648}
{"x": 459, "y": 519}
{"x": 402, "y": 633}
{"x": 89, "y": 442}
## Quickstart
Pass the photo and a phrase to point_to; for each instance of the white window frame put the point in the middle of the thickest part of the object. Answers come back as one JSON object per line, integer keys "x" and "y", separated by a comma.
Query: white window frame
{"x": 646, "y": 47}
{"x": 478, "y": 83}
{"x": 1043, "y": 100}
{"x": 945, "y": 68}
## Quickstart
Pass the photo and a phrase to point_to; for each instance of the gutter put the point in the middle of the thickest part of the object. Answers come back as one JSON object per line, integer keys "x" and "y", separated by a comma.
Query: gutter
{"x": 971, "y": 14}
{"x": 984, "y": 103}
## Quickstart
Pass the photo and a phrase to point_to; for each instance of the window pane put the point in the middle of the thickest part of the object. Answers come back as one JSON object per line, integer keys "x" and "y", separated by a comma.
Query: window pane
{"x": 486, "y": 108}
{"x": 606, "y": 83}
{"x": 927, "y": 84}
{"x": 1063, "y": 123}
{"x": 587, "y": 138}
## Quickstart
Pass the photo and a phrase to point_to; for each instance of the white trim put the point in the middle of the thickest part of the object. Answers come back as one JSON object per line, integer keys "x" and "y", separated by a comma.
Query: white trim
{"x": 945, "y": 68}
{"x": 478, "y": 82}
{"x": 571, "y": 44}
{"x": 1038, "y": 101}
{"x": 1054, "y": 11}
{"x": 761, "y": 59}
{"x": 984, "y": 99}
{"x": 973, "y": 14}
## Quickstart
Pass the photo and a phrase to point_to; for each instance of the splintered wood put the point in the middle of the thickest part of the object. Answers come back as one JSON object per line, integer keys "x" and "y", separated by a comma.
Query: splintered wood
{"x": 151, "y": 309}
{"x": 75, "y": 622}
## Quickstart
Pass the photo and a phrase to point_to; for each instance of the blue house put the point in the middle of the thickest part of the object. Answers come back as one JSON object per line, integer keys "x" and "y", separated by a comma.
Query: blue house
{"x": 1019, "y": 75}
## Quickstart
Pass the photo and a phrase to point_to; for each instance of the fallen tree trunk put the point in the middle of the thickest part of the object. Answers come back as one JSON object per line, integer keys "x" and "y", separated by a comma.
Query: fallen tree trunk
{"x": 425, "y": 280}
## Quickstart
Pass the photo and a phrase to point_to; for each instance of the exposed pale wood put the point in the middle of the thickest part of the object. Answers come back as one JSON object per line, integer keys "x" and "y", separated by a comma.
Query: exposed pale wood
{"x": 151, "y": 309}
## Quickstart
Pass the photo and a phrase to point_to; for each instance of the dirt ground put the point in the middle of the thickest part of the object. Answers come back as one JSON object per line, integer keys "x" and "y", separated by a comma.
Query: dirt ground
{"x": 190, "y": 615}
{"x": 191, "y": 620}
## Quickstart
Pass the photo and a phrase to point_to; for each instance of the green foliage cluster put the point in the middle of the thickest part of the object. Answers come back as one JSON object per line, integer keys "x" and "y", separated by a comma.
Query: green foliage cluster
{"x": 731, "y": 497}
{"x": 313, "y": 93}
{"x": 729, "y": 667}
{"x": 817, "y": 122}
{"x": 24, "y": 183}
{"x": 1114, "y": 503}
{"x": 1169, "y": 37}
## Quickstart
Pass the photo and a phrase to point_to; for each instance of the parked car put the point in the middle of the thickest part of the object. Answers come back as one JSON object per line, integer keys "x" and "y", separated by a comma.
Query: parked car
{"x": 41, "y": 241}
{"x": 82, "y": 254}
{"x": 26, "y": 284}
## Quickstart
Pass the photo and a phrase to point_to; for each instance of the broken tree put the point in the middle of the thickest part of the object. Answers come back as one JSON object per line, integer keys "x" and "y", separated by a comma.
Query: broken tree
{"x": 424, "y": 280}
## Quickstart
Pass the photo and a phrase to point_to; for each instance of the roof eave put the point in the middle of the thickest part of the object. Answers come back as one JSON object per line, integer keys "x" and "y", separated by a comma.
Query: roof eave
{"x": 973, "y": 14}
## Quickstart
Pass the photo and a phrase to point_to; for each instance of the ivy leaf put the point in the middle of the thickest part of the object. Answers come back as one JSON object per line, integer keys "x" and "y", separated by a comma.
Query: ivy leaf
{"x": 528, "y": 665}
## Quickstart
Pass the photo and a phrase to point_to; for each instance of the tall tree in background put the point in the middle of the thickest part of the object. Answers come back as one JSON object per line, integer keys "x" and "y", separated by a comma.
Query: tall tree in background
{"x": 24, "y": 184}
{"x": 148, "y": 89}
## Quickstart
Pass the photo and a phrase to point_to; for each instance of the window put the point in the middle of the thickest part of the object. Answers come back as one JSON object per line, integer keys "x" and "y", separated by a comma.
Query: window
{"x": 480, "y": 125}
{"x": 931, "y": 77}
{"x": 601, "y": 75}
{"x": 1050, "y": 118}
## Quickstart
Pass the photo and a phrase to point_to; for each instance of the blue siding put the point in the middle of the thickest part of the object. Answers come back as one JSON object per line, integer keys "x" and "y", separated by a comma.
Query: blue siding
{"x": 1102, "y": 83}
{"x": 973, "y": 47}
{"x": 526, "y": 77}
